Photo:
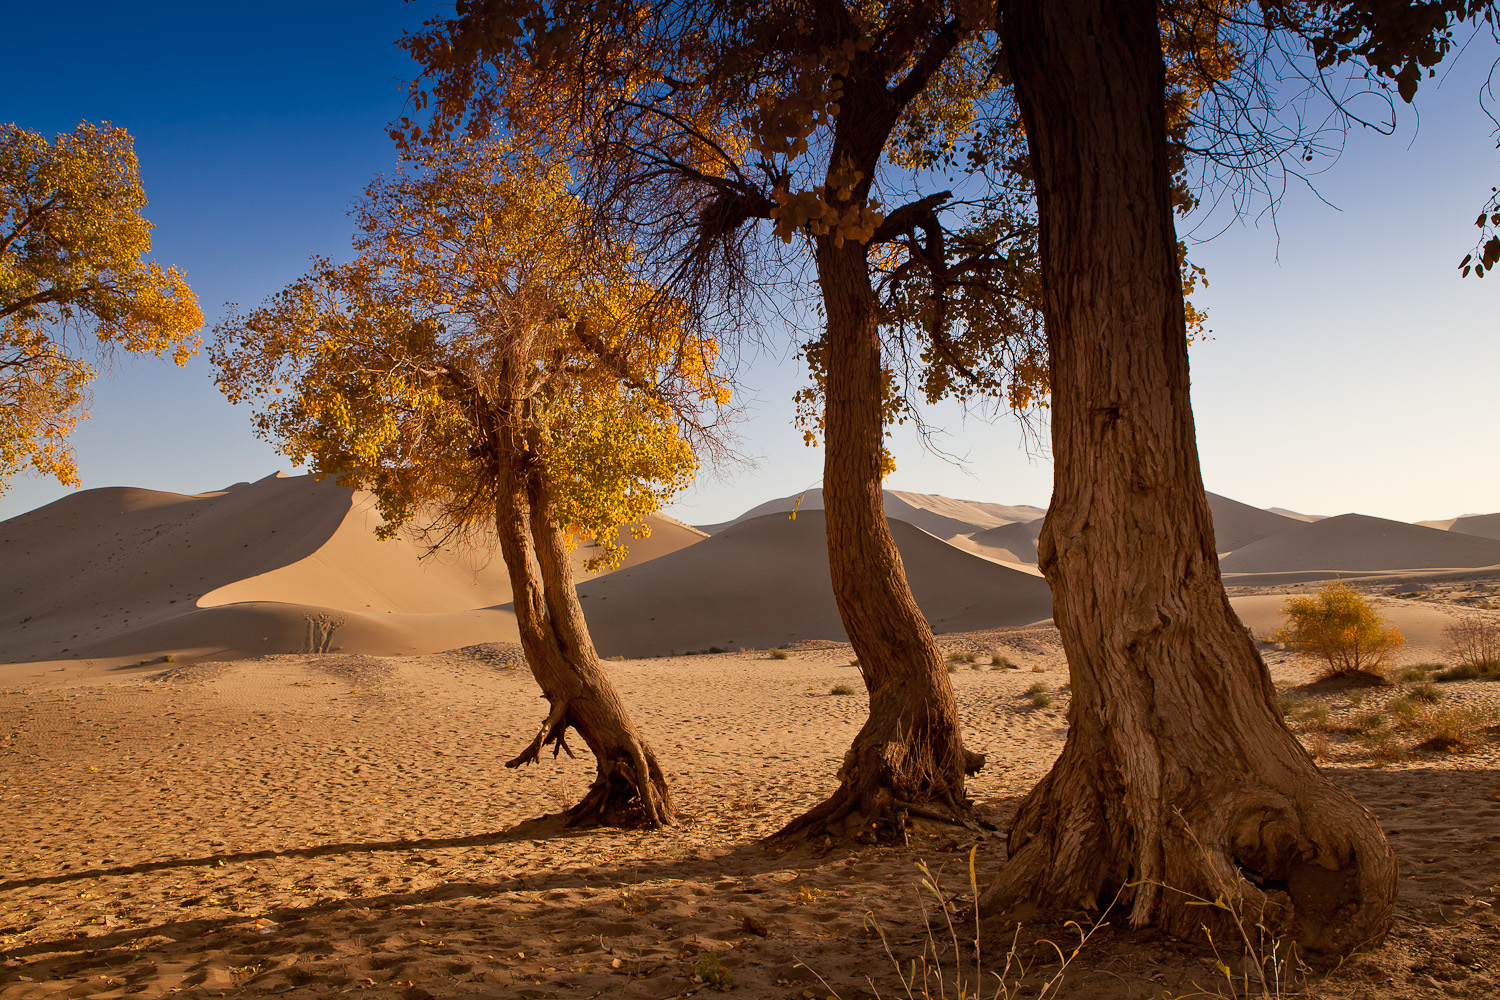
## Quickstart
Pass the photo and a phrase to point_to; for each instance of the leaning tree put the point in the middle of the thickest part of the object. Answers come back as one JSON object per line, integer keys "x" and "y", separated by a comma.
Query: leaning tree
{"x": 702, "y": 130}
{"x": 473, "y": 365}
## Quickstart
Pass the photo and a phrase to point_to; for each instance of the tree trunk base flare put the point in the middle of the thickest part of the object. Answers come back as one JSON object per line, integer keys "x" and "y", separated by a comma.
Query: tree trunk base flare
{"x": 884, "y": 784}
{"x": 1181, "y": 808}
{"x": 629, "y": 789}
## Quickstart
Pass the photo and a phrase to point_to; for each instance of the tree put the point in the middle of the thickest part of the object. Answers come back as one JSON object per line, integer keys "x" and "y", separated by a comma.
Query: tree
{"x": 1177, "y": 777}
{"x": 472, "y": 359}
{"x": 72, "y": 242}
{"x": 1338, "y": 626}
{"x": 702, "y": 128}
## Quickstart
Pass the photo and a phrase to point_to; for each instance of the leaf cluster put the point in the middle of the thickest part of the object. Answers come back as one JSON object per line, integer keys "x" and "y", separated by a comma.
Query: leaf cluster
{"x": 72, "y": 249}
{"x": 479, "y": 304}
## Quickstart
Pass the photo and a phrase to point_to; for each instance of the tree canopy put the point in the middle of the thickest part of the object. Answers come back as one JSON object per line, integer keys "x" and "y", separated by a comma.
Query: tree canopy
{"x": 72, "y": 247}
{"x": 386, "y": 361}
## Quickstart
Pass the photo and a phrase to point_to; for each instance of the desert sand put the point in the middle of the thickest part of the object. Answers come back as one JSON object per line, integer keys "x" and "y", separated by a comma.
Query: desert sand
{"x": 255, "y": 817}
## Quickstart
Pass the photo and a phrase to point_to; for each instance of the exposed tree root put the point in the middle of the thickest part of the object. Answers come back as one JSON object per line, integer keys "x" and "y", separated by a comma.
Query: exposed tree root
{"x": 629, "y": 789}
{"x": 881, "y": 790}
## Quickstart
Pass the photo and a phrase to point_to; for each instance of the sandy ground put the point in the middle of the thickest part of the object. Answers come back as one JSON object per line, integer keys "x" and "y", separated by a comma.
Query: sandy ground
{"x": 323, "y": 825}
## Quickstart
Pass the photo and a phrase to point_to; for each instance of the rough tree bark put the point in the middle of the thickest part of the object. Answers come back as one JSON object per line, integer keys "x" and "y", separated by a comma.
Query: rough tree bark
{"x": 1177, "y": 775}
{"x": 629, "y": 788}
{"x": 908, "y": 759}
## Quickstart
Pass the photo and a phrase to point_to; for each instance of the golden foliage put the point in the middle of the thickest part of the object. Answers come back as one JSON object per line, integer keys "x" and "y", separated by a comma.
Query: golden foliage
{"x": 479, "y": 296}
{"x": 1338, "y": 626}
{"x": 72, "y": 247}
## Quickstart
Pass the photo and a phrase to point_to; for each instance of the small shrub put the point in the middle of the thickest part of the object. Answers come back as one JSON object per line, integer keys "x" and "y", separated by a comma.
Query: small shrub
{"x": 953, "y": 668}
{"x": 1002, "y": 662}
{"x": 1041, "y": 699}
{"x": 841, "y": 689}
{"x": 1474, "y": 641}
{"x": 1425, "y": 693}
{"x": 1457, "y": 729}
{"x": 971, "y": 657}
{"x": 711, "y": 972}
{"x": 1404, "y": 709}
{"x": 1338, "y": 626}
{"x": 168, "y": 658}
{"x": 1037, "y": 688}
{"x": 1039, "y": 669}
{"x": 617, "y": 658}
{"x": 1410, "y": 674}
{"x": 1290, "y": 704}
{"x": 1314, "y": 717}
{"x": 955, "y": 657}
{"x": 778, "y": 654}
{"x": 976, "y": 666}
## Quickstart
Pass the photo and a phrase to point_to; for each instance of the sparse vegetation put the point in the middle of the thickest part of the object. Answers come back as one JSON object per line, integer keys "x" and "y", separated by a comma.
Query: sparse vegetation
{"x": 999, "y": 662}
{"x": 841, "y": 689}
{"x": 1455, "y": 729}
{"x": 778, "y": 653}
{"x": 1338, "y": 626}
{"x": 1418, "y": 672}
{"x": 1040, "y": 695}
{"x": 1474, "y": 641}
{"x": 1425, "y": 694}
{"x": 1489, "y": 671}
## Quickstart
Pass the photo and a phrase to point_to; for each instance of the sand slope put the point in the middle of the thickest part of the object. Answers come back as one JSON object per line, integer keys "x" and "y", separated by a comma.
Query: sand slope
{"x": 1238, "y": 524}
{"x": 1358, "y": 542}
{"x": 1484, "y": 525}
{"x": 764, "y": 582}
{"x": 1011, "y": 543}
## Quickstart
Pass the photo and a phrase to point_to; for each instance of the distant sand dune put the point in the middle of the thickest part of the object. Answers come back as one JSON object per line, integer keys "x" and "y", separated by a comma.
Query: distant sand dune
{"x": 1357, "y": 542}
{"x": 764, "y": 582}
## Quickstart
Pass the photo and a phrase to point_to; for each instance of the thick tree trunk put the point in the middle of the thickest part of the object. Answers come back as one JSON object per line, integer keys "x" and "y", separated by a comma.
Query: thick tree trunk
{"x": 909, "y": 758}
{"x": 629, "y": 788}
{"x": 1178, "y": 778}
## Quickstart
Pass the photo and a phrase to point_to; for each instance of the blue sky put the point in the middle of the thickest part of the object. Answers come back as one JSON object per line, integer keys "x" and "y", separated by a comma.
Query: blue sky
{"x": 1349, "y": 368}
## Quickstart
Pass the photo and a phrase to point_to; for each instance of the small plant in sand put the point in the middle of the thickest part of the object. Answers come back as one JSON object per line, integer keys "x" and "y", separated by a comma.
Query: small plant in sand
{"x": 1475, "y": 642}
{"x": 999, "y": 662}
{"x": 1425, "y": 694}
{"x": 935, "y": 976}
{"x": 841, "y": 689}
{"x": 1040, "y": 694}
{"x": 778, "y": 653}
{"x": 1417, "y": 672}
{"x": 1339, "y": 627}
{"x": 711, "y": 972}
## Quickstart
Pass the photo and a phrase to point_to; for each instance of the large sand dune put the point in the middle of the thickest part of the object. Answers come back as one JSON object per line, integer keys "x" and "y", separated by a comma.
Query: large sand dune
{"x": 764, "y": 581}
{"x": 1483, "y": 525}
{"x": 265, "y": 567}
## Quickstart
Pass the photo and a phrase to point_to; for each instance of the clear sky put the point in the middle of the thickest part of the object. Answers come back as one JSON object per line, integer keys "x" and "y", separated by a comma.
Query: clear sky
{"x": 1350, "y": 369}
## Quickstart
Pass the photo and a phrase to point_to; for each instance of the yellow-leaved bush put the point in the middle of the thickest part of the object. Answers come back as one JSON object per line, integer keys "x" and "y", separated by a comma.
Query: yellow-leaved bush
{"x": 1339, "y": 627}
{"x": 72, "y": 260}
{"x": 381, "y": 371}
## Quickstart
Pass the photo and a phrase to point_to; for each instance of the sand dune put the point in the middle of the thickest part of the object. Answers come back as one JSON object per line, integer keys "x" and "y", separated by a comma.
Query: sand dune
{"x": 1357, "y": 542}
{"x": 943, "y": 517}
{"x": 764, "y": 582}
{"x": 128, "y": 573}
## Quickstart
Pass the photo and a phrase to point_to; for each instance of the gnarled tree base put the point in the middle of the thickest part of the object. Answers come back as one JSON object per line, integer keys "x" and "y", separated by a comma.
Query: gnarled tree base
{"x": 629, "y": 789}
{"x": 882, "y": 787}
{"x": 1292, "y": 854}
